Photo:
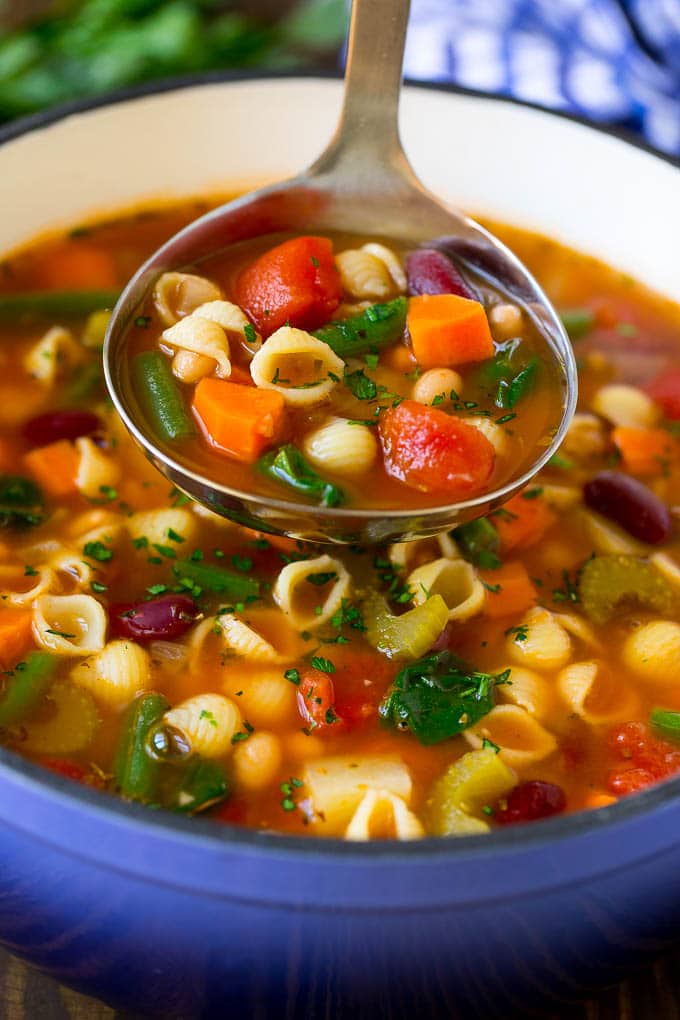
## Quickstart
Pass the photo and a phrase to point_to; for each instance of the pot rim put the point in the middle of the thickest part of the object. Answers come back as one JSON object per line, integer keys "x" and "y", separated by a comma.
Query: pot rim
{"x": 202, "y": 833}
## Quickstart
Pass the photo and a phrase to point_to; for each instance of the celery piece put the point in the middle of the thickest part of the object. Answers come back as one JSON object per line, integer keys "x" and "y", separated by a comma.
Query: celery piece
{"x": 476, "y": 780}
{"x": 26, "y": 685}
{"x": 608, "y": 583}
{"x": 403, "y": 637}
{"x": 70, "y": 728}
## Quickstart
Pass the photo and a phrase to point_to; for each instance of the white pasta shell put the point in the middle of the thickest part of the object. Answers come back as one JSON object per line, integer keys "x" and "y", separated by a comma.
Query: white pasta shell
{"x": 522, "y": 740}
{"x": 455, "y": 580}
{"x": 540, "y": 642}
{"x": 233, "y": 321}
{"x": 579, "y": 628}
{"x": 96, "y": 521}
{"x": 586, "y": 436}
{"x": 116, "y": 675}
{"x": 96, "y": 470}
{"x": 55, "y": 351}
{"x": 45, "y": 581}
{"x": 561, "y": 497}
{"x": 390, "y": 260}
{"x": 201, "y": 336}
{"x": 381, "y": 815}
{"x": 264, "y": 697}
{"x": 285, "y": 355}
{"x": 178, "y": 294}
{"x": 652, "y": 652}
{"x": 300, "y": 599}
{"x": 156, "y": 525}
{"x": 208, "y": 721}
{"x": 364, "y": 275}
{"x": 257, "y": 761}
{"x": 337, "y": 785}
{"x": 71, "y": 569}
{"x": 189, "y": 367}
{"x": 342, "y": 448}
{"x": 247, "y": 642}
{"x": 626, "y": 405}
{"x": 529, "y": 690}
{"x": 69, "y": 624}
{"x": 596, "y": 693}
{"x": 606, "y": 537}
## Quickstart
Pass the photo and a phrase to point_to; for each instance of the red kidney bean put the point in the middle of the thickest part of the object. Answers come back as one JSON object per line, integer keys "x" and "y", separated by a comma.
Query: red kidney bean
{"x": 631, "y": 504}
{"x": 530, "y": 801}
{"x": 431, "y": 272}
{"x": 54, "y": 425}
{"x": 159, "y": 619}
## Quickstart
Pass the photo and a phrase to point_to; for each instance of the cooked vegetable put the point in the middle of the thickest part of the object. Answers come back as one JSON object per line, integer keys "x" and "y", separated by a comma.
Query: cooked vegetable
{"x": 21, "y": 502}
{"x": 407, "y": 636}
{"x": 665, "y": 389}
{"x": 607, "y": 583}
{"x": 81, "y": 265}
{"x": 239, "y": 587}
{"x": 49, "y": 305}
{"x": 523, "y": 520}
{"x": 295, "y": 283}
{"x": 530, "y": 801}
{"x": 16, "y": 635}
{"x": 577, "y": 321}
{"x": 472, "y": 783}
{"x": 165, "y": 618}
{"x": 376, "y": 327}
{"x": 509, "y": 589}
{"x": 439, "y": 696}
{"x": 60, "y": 424}
{"x": 645, "y": 451}
{"x": 70, "y": 728}
{"x": 203, "y": 784}
{"x": 666, "y": 722}
{"x": 446, "y": 329}
{"x": 26, "y": 684}
{"x": 287, "y": 465}
{"x": 160, "y": 397}
{"x": 432, "y": 272}
{"x": 240, "y": 420}
{"x": 479, "y": 543}
{"x": 55, "y": 466}
{"x": 135, "y": 771}
{"x": 431, "y": 451}
{"x": 511, "y": 391}
{"x": 509, "y": 377}
{"x": 631, "y": 504}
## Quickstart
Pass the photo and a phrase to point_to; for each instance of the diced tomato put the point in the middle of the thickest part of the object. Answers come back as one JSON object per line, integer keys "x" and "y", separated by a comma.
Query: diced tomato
{"x": 360, "y": 682}
{"x": 296, "y": 283}
{"x": 316, "y": 699}
{"x": 649, "y": 759}
{"x": 665, "y": 389}
{"x": 68, "y": 769}
{"x": 431, "y": 451}
{"x": 233, "y": 811}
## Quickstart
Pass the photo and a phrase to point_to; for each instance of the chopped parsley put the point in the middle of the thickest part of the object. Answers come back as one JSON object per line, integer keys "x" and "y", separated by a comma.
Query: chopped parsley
{"x": 98, "y": 551}
{"x": 323, "y": 665}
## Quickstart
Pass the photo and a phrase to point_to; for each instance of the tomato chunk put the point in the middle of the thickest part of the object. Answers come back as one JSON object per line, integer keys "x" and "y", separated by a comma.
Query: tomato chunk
{"x": 296, "y": 283}
{"x": 665, "y": 389}
{"x": 429, "y": 450}
{"x": 316, "y": 699}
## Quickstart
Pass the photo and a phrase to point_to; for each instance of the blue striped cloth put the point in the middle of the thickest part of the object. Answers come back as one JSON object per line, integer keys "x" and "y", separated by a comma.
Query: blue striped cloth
{"x": 613, "y": 61}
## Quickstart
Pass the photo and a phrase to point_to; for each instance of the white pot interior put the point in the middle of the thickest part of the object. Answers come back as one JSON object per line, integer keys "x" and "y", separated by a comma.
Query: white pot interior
{"x": 519, "y": 165}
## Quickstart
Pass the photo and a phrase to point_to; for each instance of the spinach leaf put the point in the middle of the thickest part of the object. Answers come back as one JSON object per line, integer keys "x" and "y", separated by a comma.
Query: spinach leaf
{"x": 439, "y": 696}
{"x": 21, "y": 502}
{"x": 287, "y": 465}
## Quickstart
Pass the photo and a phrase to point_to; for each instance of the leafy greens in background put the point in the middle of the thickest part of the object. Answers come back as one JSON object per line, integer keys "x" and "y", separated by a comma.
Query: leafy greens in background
{"x": 89, "y": 47}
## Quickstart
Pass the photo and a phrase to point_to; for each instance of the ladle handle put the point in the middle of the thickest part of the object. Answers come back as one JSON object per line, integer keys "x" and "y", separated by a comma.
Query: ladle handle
{"x": 366, "y": 139}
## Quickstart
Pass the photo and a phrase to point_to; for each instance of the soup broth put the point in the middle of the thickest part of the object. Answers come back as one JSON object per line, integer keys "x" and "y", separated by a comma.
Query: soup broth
{"x": 518, "y": 667}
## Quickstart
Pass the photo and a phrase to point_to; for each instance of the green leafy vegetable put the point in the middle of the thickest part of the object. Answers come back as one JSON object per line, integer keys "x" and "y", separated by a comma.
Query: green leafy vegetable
{"x": 359, "y": 384}
{"x": 439, "y": 696}
{"x": 21, "y": 502}
{"x": 203, "y": 784}
{"x": 287, "y": 465}
{"x": 479, "y": 543}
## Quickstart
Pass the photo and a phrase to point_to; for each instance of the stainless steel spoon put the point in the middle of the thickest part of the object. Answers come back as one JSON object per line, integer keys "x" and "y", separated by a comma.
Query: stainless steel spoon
{"x": 362, "y": 183}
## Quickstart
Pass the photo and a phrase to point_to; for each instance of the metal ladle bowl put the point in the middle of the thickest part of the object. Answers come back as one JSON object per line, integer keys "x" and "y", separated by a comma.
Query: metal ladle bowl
{"x": 362, "y": 183}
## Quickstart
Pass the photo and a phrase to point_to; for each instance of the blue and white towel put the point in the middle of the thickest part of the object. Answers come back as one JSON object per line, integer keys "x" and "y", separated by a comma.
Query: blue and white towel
{"x": 613, "y": 61}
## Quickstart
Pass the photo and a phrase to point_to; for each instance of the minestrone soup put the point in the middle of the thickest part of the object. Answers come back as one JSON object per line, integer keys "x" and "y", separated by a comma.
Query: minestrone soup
{"x": 520, "y": 666}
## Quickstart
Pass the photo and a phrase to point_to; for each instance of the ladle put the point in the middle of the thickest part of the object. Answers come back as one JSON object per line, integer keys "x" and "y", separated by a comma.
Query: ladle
{"x": 361, "y": 183}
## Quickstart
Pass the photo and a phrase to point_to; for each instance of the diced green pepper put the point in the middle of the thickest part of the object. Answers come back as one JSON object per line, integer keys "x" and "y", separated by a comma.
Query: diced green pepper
{"x": 608, "y": 582}
{"x": 220, "y": 580}
{"x": 203, "y": 784}
{"x": 135, "y": 771}
{"x": 160, "y": 397}
{"x": 27, "y": 683}
{"x": 54, "y": 304}
{"x": 287, "y": 465}
{"x": 439, "y": 696}
{"x": 479, "y": 543}
{"x": 407, "y": 636}
{"x": 376, "y": 327}
{"x": 21, "y": 502}
{"x": 477, "y": 779}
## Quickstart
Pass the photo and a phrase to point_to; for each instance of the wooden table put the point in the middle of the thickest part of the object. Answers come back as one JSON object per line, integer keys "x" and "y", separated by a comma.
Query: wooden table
{"x": 651, "y": 994}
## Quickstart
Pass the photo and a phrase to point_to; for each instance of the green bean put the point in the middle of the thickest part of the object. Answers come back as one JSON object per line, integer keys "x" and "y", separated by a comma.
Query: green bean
{"x": 54, "y": 304}
{"x": 577, "y": 321}
{"x": 666, "y": 722}
{"x": 378, "y": 326}
{"x": 29, "y": 680}
{"x": 220, "y": 580}
{"x": 203, "y": 784}
{"x": 160, "y": 397}
{"x": 135, "y": 772}
{"x": 287, "y": 465}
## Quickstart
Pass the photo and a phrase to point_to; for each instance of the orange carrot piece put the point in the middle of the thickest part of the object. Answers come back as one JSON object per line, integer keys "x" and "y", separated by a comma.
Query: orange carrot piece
{"x": 645, "y": 451}
{"x": 598, "y": 798}
{"x": 446, "y": 329}
{"x": 522, "y": 522}
{"x": 54, "y": 467}
{"x": 79, "y": 265}
{"x": 16, "y": 635}
{"x": 240, "y": 421}
{"x": 510, "y": 589}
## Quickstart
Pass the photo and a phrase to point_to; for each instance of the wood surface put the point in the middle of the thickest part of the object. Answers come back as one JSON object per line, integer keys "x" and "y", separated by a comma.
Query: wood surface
{"x": 650, "y": 994}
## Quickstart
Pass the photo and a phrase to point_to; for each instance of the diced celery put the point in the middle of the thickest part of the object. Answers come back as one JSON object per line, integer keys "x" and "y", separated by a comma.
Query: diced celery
{"x": 407, "y": 636}
{"x": 609, "y": 582}
{"x": 476, "y": 780}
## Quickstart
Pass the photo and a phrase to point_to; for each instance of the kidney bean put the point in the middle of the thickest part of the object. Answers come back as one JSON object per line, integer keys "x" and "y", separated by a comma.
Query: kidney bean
{"x": 54, "y": 425}
{"x": 431, "y": 272}
{"x": 530, "y": 801}
{"x": 162, "y": 618}
{"x": 631, "y": 504}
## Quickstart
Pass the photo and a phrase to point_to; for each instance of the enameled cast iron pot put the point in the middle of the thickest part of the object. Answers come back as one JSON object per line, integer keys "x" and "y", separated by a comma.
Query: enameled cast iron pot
{"x": 176, "y": 918}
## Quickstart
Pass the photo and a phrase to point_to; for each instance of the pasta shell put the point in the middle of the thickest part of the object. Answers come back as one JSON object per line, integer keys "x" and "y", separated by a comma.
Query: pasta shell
{"x": 342, "y": 448}
{"x": 208, "y": 721}
{"x": 455, "y": 580}
{"x": 363, "y": 275}
{"x": 156, "y": 525}
{"x": 69, "y": 624}
{"x": 309, "y": 605}
{"x": 390, "y": 260}
{"x": 301, "y": 368}
{"x": 522, "y": 740}
{"x": 381, "y": 815}
{"x": 55, "y": 351}
{"x": 115, "y": 676}
{"x": 540, "y": 642}
{"x": 337, "y": 785}
{"x": 96, "y": 470}
{"x": 594, "y": 693}
{"x": 201, "y": 336}
{"x": 178, "y": 294}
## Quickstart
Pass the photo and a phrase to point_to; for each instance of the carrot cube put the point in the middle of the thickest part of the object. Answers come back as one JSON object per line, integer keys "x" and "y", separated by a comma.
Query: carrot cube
{"x": 55, "y": 467}
{"x": 447, "y": 329}
{"x": 16, "y": 635}
{"x": 240, "y": 421}
{"x": 523, "y": 521}
{"x": 509, "y": 590}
